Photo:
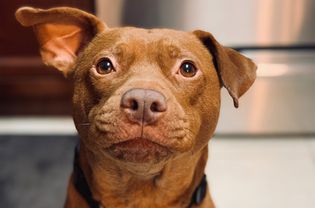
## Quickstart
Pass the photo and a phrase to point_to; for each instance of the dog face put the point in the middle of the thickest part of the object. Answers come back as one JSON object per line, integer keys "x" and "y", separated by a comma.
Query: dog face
{"x": 140, "y": 96}
{"x": 146, "y": 94}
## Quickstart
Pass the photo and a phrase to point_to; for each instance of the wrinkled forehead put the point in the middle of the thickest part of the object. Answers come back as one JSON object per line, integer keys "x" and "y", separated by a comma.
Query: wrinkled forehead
{"x": 155, "y": 41}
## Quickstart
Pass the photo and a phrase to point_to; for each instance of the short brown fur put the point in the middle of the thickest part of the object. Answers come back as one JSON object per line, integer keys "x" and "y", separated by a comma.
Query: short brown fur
{"x": 163, "y": 163}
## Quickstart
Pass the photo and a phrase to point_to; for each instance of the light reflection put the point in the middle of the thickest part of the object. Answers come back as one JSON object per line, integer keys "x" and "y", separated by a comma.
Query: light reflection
{"x": 272, "y": 70}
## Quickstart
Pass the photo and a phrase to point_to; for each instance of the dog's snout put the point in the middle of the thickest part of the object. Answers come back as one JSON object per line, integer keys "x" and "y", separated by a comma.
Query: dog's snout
{"x": 143, "y": 106}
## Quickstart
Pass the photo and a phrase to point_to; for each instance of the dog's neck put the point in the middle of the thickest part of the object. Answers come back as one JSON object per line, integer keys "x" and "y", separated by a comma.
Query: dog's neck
{"x": 115, "y": 186}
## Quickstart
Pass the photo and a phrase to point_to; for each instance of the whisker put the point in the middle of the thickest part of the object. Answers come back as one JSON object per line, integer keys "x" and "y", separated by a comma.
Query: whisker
{"x": 85, "y": 124}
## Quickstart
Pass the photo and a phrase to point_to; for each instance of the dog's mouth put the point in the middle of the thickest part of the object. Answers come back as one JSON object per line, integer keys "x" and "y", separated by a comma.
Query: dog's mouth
{"x": 139, "y": 150}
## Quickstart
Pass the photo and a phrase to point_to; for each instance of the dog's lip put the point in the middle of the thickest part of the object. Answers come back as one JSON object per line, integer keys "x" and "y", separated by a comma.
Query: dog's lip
{"x": 138, "y": 150}
{"x": 139, "y": 144}
{"x": 137, "y": 141}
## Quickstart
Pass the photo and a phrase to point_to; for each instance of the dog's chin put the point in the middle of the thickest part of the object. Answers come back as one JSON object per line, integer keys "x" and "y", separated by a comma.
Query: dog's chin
{"x": 139, "y": 150}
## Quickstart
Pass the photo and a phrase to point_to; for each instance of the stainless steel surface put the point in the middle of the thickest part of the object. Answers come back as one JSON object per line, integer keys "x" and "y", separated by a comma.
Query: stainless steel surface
{"x": 237, "y": 22}
{"x": 281, "y": 101}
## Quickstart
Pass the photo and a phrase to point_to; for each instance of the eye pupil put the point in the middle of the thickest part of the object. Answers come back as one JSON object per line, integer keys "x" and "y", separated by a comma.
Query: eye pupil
{"x": 104, "y": 66}
{"x": 188, "y": 69}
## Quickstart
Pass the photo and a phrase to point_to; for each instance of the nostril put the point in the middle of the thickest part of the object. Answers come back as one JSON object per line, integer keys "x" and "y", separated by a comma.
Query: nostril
{"x": 133, "y": 105}
{"x": 157, "y": 107}
{"x": 154, "y": 107}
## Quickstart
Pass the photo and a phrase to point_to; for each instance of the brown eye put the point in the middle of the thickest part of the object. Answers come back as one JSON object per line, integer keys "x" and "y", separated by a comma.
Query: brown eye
{"x": 187, "y": 69}
{"x": 104, "y": 66}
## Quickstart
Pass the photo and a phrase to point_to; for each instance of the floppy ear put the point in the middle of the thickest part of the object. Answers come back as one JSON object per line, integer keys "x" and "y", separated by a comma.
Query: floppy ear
{"x": 62, "y": 33}
{"x": 237, "y": 73}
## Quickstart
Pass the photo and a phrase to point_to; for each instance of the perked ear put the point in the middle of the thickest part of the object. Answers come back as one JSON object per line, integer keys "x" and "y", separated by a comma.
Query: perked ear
{"x": 237, "y": 73}
{"x": 62, "y": 33}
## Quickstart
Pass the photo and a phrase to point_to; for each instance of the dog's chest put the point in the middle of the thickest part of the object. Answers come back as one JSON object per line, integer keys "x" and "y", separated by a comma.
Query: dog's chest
{"x": 145, "y": 198}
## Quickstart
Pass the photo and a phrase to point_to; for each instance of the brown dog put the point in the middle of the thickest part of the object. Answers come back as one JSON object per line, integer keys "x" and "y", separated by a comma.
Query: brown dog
{"x": 146, "y": 102}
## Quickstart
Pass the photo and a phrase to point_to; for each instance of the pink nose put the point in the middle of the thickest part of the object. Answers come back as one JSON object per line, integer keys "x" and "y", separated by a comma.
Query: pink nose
{"x": 143, "y": 106}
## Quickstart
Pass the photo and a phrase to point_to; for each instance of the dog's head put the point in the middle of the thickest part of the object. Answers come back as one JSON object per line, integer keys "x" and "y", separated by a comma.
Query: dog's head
{"x": 140, "y": 95}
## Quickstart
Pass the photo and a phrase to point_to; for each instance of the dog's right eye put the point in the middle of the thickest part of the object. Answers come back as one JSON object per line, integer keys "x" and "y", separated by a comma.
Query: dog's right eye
{"x": 188, "y": 69}
{"x": 104, "y": 66}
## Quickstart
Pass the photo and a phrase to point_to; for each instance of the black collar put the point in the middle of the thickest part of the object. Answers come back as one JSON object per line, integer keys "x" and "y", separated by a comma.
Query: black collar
{"x": 80, "y": 182}
{"x": 83, "y": 188}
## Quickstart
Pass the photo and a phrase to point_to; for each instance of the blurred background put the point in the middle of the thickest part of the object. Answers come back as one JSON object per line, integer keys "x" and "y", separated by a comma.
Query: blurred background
{"x": 263, "y": 153}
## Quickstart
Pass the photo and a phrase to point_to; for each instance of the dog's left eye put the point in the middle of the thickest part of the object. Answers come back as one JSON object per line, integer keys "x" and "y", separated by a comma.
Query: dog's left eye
{"x": 104, "y": 66}
{"x": 188, "y": 69}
